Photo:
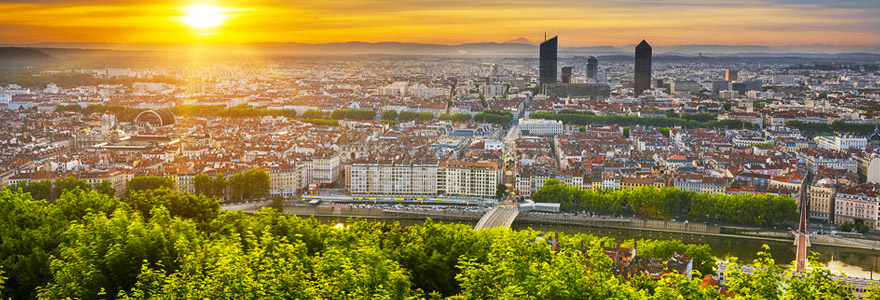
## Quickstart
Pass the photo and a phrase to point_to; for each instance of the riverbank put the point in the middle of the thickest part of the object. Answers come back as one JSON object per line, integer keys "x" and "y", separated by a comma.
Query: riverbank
{"x": 571, "y": 220}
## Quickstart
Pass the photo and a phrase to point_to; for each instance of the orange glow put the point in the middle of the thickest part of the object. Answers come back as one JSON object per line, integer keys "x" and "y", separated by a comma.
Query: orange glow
{"x": 578, "y": 23}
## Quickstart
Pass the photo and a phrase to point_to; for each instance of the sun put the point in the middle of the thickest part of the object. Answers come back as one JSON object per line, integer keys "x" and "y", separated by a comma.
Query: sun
{"x": 203, "y": 16}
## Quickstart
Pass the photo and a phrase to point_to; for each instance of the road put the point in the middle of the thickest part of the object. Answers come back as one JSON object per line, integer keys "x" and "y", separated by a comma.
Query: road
{"x": 502, "y": 216}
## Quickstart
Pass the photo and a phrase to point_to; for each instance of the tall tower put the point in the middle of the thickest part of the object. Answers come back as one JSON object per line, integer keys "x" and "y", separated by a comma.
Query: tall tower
{"x": 547, "y": 61}
{"x": 566, "y": 74}
{"x": 729, "y": 75}
{"x": 592, "y": 67}
{"x": 642, "y": 76}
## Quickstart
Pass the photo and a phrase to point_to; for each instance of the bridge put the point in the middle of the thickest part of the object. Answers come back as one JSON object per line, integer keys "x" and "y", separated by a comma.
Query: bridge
{"x": 500, "y": 216}
{"x": 802, "y": 236}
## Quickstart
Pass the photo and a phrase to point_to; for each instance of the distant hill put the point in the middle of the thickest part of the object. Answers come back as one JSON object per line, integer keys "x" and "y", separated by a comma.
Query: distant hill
{"x": 18, "y": 54}
{"x": 512, "y": 48}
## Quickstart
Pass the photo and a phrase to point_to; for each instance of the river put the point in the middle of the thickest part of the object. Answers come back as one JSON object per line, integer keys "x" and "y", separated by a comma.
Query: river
{"x": 852, "y": 262}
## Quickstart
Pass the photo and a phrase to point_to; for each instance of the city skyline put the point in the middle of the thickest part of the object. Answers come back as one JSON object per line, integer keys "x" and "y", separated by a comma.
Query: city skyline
{"x": 680, "y": 22}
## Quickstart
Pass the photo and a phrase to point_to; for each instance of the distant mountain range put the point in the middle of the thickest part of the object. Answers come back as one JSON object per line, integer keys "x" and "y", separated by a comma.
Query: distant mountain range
{"x": 516, "y": 47}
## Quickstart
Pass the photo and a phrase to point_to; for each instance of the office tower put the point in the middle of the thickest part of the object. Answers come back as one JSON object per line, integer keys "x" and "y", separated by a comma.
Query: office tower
{"x": 547, "y": 61}
{"x": 720, "y": 85}
{"x": 730, "y": 74}
{"x": 592, "y": 67}
{"x": 642, "y": 76}
{"x": 566, "y": 74}
{"x": 739, "y": 87}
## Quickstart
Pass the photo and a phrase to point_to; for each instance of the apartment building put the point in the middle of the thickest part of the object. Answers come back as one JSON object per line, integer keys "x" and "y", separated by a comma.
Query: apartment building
{"x": 414, "y": 178}
{"x": 821, "y": 201}
{"x": 840, "y": 143}
{"x": 285, "y": 180}
{"x": 470, "y": 179}
{"x": 540, "y": 127}
{"x": 322, "y": 170}
{"x": 858, "y": 204}
{"x": 389, "y": 178}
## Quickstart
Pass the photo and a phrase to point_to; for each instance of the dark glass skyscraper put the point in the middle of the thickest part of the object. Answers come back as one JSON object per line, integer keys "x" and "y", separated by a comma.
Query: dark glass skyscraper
{"x": 592, "y": 67}
{"x": 566, "y": 74}
{"x": 547, "y": 62}
{"x": 642, "y": 76}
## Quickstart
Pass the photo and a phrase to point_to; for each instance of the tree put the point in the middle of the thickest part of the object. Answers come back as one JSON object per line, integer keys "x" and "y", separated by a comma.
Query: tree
{"x": 106, "y": 188}
{"x": 459, "y": 117}
{"x": 30, "y": 231}
{"x": 861, "y": 228}
{"x": 40, "y": 190}
{"x": 847, "y": 227}
{"x": 140, "y": 183}
{"x": 200, "y": 208}
{"x": 389, "y": 114}
{"x": 203, "y": 184}
{"x": 670, "y": 202}
{"x": 69, "y": 183}
{"x": 500, "y": 190}
{"x": 105, "y": 254}
{"x": 278, "y": 203}
{"x": 251, "y": 184}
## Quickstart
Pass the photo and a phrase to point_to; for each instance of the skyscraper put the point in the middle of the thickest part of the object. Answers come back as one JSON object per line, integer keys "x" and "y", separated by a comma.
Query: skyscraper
{"x": 566, "y": 74}
{"x": 592, "y": 67}
{"x": 642, "y": 76}
{"x": 730, "y": 74}
{"x": 547, "y": 61}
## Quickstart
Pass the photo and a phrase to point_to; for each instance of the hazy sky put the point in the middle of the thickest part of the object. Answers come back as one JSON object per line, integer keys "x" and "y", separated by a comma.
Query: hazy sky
{"x": 578, "y": 22}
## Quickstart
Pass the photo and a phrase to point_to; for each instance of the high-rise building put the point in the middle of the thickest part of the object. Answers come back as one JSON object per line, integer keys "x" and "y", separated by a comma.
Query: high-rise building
{"x": 566, "y": 74}
{"x": 547, "y": 61}
{"x": 730, "y": 75}
{"x": 642, "y": 76}
{"x": 592, "y": 67}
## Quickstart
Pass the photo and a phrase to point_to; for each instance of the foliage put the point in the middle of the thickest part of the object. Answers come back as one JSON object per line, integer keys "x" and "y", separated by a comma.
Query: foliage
{"x": 315, "y": 114}
{"x": 389, "y": 114}
{"x": 847, "y": 227}
{"x": 496, "y": 117}
{"x": 41, "y": 190}
{"x": 68, "y": 184}
{"x": 321, "y": 122}
{"x": 249, "y": 185}
{"x": 49, "y": 190}
{"x": 278, "y": 204}
{"x": 500, "y": 190}
{"x": 213, "y": 186}
{"x": 88, "y": 245}
{"x": 106, "y": 188}
{"x": 862, "y": 228}
{"x": 704, "y": 262}
{"x": 200, "y": 208}
{"x": 687, "y": 121}
{"x": 122, "y": 113}
{"x": 459, "y": 117}
{"x": 835, "y": 127}
{"x": 353, "y": 114}
{"x": 140, "y": 183}
{"x": 670, "y": 202}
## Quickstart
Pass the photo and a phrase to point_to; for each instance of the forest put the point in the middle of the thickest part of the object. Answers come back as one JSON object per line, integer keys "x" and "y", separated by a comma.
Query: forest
{"x": 672, "y": 203}
{"x": 162, "y": 244}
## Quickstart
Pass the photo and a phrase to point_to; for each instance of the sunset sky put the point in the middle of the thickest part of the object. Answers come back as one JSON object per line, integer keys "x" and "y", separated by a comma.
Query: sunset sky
{"x": 580, "y": 22}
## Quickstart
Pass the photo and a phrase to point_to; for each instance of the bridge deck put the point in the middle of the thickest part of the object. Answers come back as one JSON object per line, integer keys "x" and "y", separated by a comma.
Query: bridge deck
{"x": 502, "y": 216}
